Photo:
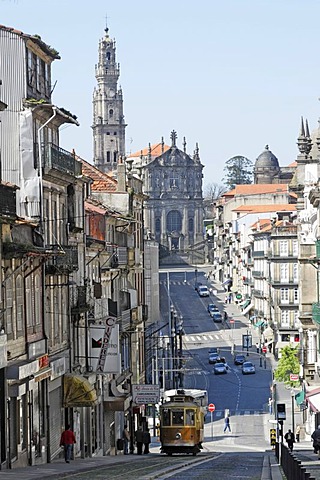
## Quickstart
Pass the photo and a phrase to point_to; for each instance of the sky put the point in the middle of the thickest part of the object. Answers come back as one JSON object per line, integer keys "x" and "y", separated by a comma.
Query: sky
{"x": 232, "y": 75}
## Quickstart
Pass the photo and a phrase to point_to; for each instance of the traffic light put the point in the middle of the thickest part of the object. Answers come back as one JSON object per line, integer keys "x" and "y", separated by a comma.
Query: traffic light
{"x": 281, "y": 411}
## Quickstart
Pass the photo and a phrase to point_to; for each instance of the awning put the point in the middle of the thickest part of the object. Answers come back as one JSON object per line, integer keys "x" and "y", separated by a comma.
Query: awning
{"x": 260, "y": 323}
{"x": 117, "y": 404}
{"x": 300, "y": 397}
{"x": 78, "y": 392}
{"x": 268, "y": 333}
{"x": 314, "y": 401}
{"x": 245, "y": 303}
{"x": 247, "y": 309}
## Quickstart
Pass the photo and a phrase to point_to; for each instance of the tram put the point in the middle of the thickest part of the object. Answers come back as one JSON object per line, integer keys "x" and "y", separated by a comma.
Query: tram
{"x": 182, "y": 421}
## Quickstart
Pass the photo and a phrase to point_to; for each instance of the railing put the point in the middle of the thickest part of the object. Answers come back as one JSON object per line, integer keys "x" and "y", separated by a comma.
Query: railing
{"x": 56, "y": 158}
{"x": 258, "y": 254}
{"x": 291, "y": 465}
{"x": 65, "y": 259}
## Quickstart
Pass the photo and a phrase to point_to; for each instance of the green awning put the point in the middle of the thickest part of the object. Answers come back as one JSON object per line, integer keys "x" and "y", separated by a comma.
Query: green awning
{"x": 300, "y": 397}
{"x": 260, "y": 323}
{"x": 245, "y": 304}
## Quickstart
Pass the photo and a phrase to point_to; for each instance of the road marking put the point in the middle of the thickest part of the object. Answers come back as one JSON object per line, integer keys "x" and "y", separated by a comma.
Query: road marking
{"x": 204, "y": 337}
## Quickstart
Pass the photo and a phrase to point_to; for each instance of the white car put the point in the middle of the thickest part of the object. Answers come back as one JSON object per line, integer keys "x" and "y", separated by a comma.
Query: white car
{"x": 203, "y": 291}
{"x": 248, "y": 368}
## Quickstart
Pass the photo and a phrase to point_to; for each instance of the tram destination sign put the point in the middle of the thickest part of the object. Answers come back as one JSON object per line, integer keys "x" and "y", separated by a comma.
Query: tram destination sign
{"x": 144, "y": 394}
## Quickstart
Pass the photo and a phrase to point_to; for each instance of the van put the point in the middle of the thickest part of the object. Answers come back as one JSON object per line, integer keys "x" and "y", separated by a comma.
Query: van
{"x": 203, "y": 291}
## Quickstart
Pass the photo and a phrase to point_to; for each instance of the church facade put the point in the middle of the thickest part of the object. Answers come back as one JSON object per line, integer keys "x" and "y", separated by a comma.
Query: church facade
{"x": 172, "y": 181}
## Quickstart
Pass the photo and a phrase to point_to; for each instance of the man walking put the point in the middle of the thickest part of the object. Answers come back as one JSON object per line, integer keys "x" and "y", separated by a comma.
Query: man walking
{"x": 289, "y": 438}
{"x": 227, "y": 424}
{"x": 66, "y": 441}
{"x": 316, "y": 441}
{"x": 139, "y": 440}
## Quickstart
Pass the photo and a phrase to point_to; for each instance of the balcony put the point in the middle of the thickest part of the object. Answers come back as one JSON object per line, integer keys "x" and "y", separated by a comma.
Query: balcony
{"x": 258, "y": 293}
{"x": 258, "y": 254}
{"x": 257, "y": 274}
{"x": 316, "y": 313}
{"x": 79, "y": 302}
{"x": 7, "y": 201}
{"x": 55, "y": 158}
{"x": 64, "y": 260}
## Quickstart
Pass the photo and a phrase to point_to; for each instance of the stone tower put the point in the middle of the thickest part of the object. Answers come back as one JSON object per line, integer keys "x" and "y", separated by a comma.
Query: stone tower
{"x": 108, "y": 119}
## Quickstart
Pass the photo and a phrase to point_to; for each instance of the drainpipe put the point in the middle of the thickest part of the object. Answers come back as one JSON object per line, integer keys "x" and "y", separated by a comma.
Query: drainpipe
{"x": 43, "y": 276}
{"x": 40, "y": 163}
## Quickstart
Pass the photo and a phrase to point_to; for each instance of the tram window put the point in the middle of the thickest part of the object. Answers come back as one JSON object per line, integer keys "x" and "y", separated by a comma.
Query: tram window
{"x": 166, "y": 417}
{"x": 177, "y": 417}
{"x": 189, "y": 417}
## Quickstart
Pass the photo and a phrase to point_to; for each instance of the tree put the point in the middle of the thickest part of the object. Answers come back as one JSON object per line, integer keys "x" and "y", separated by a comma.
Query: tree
{"x": 238, "y": 171}
{"x": 211, "y": 192}
{"x": 288, "y": 363}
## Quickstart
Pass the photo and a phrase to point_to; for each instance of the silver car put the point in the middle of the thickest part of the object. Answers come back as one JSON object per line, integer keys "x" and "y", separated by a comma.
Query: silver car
{"x": 220, "y": 368}
{"x": 248, "y": 368}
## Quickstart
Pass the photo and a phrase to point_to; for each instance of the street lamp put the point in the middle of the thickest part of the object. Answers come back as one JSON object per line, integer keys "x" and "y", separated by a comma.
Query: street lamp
{"x": 180, "y": 333}
{"x": 196, "y": 277}
{"x": 292, "y": 410}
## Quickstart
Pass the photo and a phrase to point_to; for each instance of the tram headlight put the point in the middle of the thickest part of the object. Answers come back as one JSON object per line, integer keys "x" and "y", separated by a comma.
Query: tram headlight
{"x": 178, "y": 436}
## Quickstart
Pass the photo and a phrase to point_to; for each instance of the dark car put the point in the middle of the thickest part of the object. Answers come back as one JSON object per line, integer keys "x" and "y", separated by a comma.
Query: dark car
{"x": 239, "y": 359}
{"x": 216, "y": 317}
{"x": 212, "y": 308}
{"x": 214, "y": 357}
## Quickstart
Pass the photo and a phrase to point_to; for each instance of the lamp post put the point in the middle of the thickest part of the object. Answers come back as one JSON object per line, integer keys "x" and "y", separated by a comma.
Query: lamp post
{"x": 195, "y": 277}
{"x": 180, "y": 332}
{"x": 292, "y": 410}
{"x": 169, "y": 326}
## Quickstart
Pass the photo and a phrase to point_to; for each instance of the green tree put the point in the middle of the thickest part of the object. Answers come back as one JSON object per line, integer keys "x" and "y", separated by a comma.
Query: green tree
{"x": 288, "y": 363}
{"x": 238, "y": 171}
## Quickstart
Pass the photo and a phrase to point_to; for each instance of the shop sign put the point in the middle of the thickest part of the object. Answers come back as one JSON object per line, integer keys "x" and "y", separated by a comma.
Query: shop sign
{"x": 144, "y": 394}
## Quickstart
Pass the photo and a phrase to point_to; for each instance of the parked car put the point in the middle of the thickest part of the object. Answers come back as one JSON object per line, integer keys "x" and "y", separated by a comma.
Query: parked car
{"x": 239, "y": 359}
{"x": 248, "y": 368}
{"x": 203, "y": 291}
{"x": 214, "y": 357}
{"x": 217, "y": 317}
{"x": 220, "y": 368}
{"x": 213, "y": 350}
{"x": 212, "y": 308}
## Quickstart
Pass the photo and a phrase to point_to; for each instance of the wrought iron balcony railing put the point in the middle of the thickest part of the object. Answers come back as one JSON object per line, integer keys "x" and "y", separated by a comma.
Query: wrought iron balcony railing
{"x": 55, "y": 158}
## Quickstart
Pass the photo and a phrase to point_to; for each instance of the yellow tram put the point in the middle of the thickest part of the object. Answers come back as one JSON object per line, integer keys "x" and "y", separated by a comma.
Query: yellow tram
{"x": 182, "y": 421}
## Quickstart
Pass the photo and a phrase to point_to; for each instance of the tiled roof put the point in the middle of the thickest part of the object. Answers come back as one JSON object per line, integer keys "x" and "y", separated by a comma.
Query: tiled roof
{"x": 275, "y": 207}
{"x": 257, "y": 189}
{"x": 156, "y": 151}
{"x": 293, "y": 164}
{"x": 102, "y": 182}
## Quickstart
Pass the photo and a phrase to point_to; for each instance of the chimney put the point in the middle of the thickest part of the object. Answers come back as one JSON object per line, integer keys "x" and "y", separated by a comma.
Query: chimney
{"x": 121, "y": 175}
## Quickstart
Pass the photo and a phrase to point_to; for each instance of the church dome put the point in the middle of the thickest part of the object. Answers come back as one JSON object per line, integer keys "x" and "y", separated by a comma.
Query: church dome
{"x": 267, "y": 159}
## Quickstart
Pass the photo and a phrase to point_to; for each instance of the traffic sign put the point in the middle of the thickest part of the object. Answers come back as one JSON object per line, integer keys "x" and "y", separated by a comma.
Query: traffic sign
{"x": 264, "y": 349}
{"x": 238, "y": 296}
{"x": 211, "y": 407}
{"x": 231, "y": 320}
{"x": 294, "y": 377}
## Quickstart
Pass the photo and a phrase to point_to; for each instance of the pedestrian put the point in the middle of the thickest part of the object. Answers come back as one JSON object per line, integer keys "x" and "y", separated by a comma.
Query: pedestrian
{"x": 289, "y": 438}
{"x": 258, "y": 347}
{"x": 229, "y": 298}
{"x": 298, "y": 433}
{"x": 227, "y": 424}
{"x": 316, "y": 441}
{"x": 126, "y": 440}
{"x": 270, "y": 402}
{"x": 226, "y": 299}
{"x": 225, "y": 316}
{"x": 146, "y": 440}
{"x": 66, "y": 441}
{"x": 139, "y": 440}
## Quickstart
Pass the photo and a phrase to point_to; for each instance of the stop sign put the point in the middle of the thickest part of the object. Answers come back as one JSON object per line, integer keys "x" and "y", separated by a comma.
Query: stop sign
{"x": 211, "y": 407}
{"x": 264, "y": 349}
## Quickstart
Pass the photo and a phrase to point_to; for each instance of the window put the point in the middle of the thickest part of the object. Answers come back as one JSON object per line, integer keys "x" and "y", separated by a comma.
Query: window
{"x": 108, "y": 156}
{"x": 19, "y": 302}
{"x": 174, "y": 181}
{"x": 295, "y": 272}
{"x": 111, "y": 112}
{"x": 190, "y": 224}
{"x": 295, "y": 248}
{"x": 285, "y": 318}
{"x": 283, "y": 248}
{"x": 189, "y": 417}
{"x": 284, "y": 295}
{"x": 115, "y": 156}
{"x": 174, "y": 221}
{"x": 166, "y": 417}
{"x": 177, "y": 417}
{"x": 37, "y": 300}
{"x": 9, "y": 302}
{"x": 158, "y": 225}
{"x": 28, "y": 297}
{"x": 284, "y": 272}
{"x": 296, "y": 295}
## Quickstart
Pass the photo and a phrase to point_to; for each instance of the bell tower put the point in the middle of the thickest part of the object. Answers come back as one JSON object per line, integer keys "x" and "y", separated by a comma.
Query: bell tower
{"x": 108, "y": 119}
